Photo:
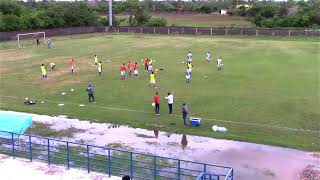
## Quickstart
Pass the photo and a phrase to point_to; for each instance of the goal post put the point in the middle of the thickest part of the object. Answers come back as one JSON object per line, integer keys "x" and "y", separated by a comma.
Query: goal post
{"x": 31, "y": 35}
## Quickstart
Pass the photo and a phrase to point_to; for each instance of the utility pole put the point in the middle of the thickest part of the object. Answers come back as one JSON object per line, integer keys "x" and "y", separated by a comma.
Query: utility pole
{"x": 110, "y": 13}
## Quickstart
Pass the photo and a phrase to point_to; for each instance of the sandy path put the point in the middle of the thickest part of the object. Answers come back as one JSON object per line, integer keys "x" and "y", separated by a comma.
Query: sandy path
{"x": 39, "y": 171}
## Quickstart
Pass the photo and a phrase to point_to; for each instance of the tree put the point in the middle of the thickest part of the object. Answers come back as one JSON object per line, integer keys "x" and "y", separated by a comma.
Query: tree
{"x": 138, "y": 14}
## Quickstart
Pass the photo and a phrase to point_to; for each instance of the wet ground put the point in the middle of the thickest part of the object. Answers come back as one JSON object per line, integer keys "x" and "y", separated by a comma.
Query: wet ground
{"x": 250, "y": 161}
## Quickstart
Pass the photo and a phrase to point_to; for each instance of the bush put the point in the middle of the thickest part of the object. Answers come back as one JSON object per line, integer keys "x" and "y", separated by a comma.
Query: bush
{"x": 157, "y": 22}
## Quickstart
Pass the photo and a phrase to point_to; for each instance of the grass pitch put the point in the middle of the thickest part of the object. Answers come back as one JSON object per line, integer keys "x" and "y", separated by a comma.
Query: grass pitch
{"x": 268, "y": 89}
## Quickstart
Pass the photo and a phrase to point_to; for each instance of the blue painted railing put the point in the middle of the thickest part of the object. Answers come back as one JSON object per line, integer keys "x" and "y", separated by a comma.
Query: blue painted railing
{"x": 114, "y": 162}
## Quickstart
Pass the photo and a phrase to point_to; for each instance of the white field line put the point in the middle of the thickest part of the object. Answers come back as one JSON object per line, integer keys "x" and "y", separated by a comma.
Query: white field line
{"x": 178, "y": 116}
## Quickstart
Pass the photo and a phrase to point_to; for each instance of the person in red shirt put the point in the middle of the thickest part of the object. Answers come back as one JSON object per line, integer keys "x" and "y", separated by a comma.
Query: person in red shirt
{"x": 130, "y": 68}
{"x": 156, "y": 101}
{"x": 123, "y": 71}
{"x": 136, "y": 70}
{"x": 146, "y": 64}
{"x": 72, "y": 65}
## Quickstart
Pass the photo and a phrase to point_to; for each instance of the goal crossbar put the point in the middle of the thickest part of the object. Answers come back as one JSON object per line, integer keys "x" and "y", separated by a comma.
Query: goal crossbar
{"x": 25, "y": 34}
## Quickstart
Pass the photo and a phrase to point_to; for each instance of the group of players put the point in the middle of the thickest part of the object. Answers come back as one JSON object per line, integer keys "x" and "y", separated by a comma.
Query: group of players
{"x": 148, "y": 67}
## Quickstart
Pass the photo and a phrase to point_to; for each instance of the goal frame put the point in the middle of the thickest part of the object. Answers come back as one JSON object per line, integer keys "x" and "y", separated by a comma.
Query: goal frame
{"x": 25, "y": 34}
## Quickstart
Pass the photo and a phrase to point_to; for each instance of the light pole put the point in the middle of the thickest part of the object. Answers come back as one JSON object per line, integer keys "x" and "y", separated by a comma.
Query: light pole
{"x": 110, "y": 13}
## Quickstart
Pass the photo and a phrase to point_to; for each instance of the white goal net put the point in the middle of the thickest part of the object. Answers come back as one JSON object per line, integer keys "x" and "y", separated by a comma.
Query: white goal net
{"x": 31, "y": 39}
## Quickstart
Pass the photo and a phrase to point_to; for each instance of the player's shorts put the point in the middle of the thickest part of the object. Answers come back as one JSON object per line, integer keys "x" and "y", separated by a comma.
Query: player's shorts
{"x": 44, "y": 73}
{"x": 135, "y": 72}
{"x": 152, "y": 81}
{"x": 72, "y": 67}
{"x": 123, "y": 73}
{"x": 188, "y": 76}
{"x": 100, "y": 69}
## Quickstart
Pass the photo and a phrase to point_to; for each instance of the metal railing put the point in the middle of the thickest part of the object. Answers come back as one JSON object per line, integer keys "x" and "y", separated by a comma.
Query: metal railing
{"x": 114, "y": 162}
{"x": 4, "y": 36}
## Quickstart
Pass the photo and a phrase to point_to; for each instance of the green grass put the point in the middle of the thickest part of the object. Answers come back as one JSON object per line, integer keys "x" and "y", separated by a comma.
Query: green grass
{"x": 265, "y": 81}
{"x": 199, "y": 20}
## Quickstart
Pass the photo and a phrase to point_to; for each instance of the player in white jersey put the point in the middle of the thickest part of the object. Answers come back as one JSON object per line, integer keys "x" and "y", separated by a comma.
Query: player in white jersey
{"x": 189, "y": 56}
{"x": 209, "y": 56}
{"x": 219, "y": 64}
{"x": 188, "y": 75}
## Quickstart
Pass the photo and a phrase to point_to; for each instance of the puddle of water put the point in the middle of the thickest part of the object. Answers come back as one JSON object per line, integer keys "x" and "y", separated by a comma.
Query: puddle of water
{"x": 257, "y": 158}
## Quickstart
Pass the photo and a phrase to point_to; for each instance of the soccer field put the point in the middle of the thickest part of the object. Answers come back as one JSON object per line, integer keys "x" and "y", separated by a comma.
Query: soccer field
{"x": 267, "y": 92}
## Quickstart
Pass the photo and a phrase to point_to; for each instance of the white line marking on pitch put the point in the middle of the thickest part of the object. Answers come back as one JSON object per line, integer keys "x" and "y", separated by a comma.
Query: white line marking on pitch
{"x": 209, "y": 119}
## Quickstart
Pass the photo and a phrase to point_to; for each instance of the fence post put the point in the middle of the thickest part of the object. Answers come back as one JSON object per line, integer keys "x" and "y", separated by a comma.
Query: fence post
{"x": 128, "y": 30}
{"x": 154, "y": 30}
{"x": 48, "y": 149}
{"x": 232, "y": 174}
{"x": 226, "y": 31}
{"x": 68, "y": 155}
{"x": 272, "y": 32}
{"x": 205, "y": 168}
{"x": 289, "y": 32}
{"x": 154, "y": 168}
{"x": 211, "y": 31}
{"x": 109, "y": 162}
{"x": 179, "y": 163}
{"x": 30, "y": 148}
{"x": 13, "y": 150}
{"x": 88, "y": 159}
{"x": 257, "y": 32}
{"x": 182, "y": 30}
{"x": 131, "y": 166}
{"x": 140, "y": 30}
{"x": 168, "y": 31}
{"x": 241, "y": 32}
{"x": 196, "y": 31}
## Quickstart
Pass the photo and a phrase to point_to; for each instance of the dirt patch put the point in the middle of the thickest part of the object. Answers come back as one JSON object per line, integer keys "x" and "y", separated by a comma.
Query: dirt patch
{"x": 5, "y": 70}
{"x": 13, "y": 55}
{"x": 70, "y": 82}
{"x": 144, "y": 136}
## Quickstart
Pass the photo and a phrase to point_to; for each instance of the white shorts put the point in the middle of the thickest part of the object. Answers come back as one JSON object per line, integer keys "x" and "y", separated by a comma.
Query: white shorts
{"x": 123, "y": 73}
{"x": 152, "y": 81}
{"x": 188, "y": 77}
{"x": 135, "y": 72}
{"x": 43, "y": 74}
{"x": 72, "y": 67}
{"x": 220, "y": 65}
{"x": 99, "y": 69}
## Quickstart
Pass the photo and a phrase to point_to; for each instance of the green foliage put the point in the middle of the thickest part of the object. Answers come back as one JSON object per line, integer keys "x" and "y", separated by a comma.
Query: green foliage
{"x": 16, "y": 16}
{"x": 157, "y": 22}
{"x": 138, "y": 14}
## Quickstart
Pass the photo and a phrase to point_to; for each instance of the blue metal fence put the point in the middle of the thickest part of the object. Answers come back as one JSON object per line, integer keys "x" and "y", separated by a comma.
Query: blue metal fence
{"x": 107, "y": 160}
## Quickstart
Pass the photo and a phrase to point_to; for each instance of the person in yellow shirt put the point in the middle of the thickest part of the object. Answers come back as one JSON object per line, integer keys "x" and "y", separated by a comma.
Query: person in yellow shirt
{"x": 95, "y": 60}
{"x": 152, "y": 80}
{"x": 190, "y": 66}
{"x": 100, "y": 68}
{"x": 44, "y": 71}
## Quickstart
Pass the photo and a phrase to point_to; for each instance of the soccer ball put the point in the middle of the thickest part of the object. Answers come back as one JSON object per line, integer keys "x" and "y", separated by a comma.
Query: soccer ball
{"x": 182, "y": 62}
{"x": 153, "y": 104}
{"x": 71, "y": 90}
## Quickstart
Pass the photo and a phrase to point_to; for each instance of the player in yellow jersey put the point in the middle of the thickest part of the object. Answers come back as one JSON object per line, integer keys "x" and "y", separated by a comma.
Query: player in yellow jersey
{"x": 44, "y": 71}
{"x": 95, "y": 60}
{"x": 100, "y": 68}
{"x": 152, "y": 80}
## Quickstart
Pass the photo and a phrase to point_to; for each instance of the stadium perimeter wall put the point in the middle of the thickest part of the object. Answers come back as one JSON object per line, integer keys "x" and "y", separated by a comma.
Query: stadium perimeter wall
{"x": 4, "y": 36}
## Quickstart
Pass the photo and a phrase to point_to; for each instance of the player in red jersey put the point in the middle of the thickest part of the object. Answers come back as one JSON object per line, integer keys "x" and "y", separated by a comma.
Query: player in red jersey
{"x": 130, "y": 68}
{"x": 136, "y": 70}
{"x": 123, "y": 71}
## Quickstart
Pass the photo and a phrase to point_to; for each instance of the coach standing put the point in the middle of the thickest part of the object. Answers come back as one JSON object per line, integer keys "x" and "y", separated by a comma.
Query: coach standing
{"x": 170, "y": 101}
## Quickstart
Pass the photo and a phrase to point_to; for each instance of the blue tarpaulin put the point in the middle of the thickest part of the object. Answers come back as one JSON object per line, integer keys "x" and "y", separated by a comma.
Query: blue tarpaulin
{"x": 14, "y": 122}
